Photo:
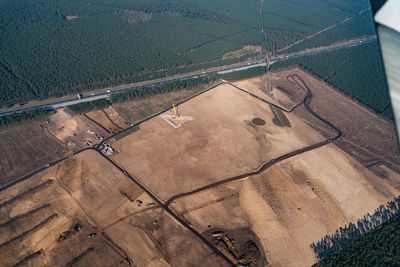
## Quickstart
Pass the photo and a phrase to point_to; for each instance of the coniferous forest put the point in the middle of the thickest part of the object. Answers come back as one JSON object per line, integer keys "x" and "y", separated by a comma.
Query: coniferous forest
{"x": 373, "y": 241}
{"x": 356, "y": 71}
{"x": 52, "y": 48}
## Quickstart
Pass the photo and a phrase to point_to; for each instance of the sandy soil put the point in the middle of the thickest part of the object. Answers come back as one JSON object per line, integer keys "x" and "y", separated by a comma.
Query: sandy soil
{"x": 109, "y": 119}
{"x": 363, "y": 128}
{"x": 293, "y": 203}
{"x": 87, "y": 176}
{"x": 138, "y": 109}
{"x": 74, "y": 130}
{"x": 88, "y": 189}
{"x": 280, "y": 211}
{"x": 33, "y": 214}
{"x": 83, "y": 189}
{"x": 165, "y": 243}
{"x": 171, "y": 161}
{"x": 284, "y": 93}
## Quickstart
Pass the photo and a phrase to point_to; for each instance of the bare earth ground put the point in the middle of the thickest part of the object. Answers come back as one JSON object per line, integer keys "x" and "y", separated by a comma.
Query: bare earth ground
{"x": 271, "y": 218}
{"x": 109, "y": 119}
{"x": 292, "y": 204}
{"x": 25, "y": 149}
{"x": 74, "y": 130}
{"x": 89, "y": 190}
{"x": 30, "y": 147}
{"x": 138, "y": 109}
{"x": 218, "y": 143}
{"x": 367, "y": 137}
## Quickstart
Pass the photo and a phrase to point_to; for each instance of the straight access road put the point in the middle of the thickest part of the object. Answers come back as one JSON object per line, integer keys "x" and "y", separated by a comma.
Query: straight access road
{"x": 106, "y": 94}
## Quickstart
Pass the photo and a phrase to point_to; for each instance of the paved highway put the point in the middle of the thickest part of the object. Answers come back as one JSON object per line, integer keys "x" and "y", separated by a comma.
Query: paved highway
{"x": 101, "y": 95}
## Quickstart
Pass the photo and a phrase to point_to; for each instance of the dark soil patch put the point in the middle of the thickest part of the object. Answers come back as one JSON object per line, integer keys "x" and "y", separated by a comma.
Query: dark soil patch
{"x": 246, "y": 249}
{"x": 258, "y": 121}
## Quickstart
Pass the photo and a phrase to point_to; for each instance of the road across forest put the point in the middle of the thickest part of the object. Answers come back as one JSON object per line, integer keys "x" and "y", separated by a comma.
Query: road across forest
{"x": 106, "y": 94}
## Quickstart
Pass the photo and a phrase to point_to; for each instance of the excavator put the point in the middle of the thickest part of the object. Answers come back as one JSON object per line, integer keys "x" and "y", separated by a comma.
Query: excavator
{"x": 227, "y": 241}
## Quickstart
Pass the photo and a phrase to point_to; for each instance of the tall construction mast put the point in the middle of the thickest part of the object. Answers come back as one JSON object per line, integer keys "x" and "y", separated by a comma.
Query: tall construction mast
{"x": 176, "y": 114}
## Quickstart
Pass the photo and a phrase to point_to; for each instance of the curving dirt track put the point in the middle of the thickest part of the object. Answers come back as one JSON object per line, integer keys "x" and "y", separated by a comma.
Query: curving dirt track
{"x": 306, "y": 101}
{"x": 295, "y": 79}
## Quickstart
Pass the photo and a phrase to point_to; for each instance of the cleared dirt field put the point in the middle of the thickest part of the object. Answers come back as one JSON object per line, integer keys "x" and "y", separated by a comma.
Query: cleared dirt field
{"x": 88, "y": 190}
{"x": 25, "y": 149}
{"x": 292, "y": 204}
{"x": 282, "y": 92}
{"x": 220, "y": 142}
{"x": 138, "y": 109}
{"x": 108, "y": 118}
{"x": 367, "y": 137}
{"x": 74, "y": 130}
{"x": 33, "y": 215}
{"x": 269, "y": 219}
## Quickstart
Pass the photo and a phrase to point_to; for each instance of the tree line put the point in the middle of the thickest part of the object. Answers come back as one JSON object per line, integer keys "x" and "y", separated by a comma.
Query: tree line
{"x": 372, "y": 240}
{"x": 88, "y": 106}
{"x": 356, "y": 71}
{"x": 162, "y": 88}
{"x": 30, "y": 115}
{"x": 141, "y": 92}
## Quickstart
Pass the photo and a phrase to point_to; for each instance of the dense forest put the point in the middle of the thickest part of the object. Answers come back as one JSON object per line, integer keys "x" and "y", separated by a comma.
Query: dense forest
{"x": 288, "y": 21}
{"x": 32, "y": 115}
{"x": 55, "y": 47}
{"x": 376, "y": 240}
{"x": 362, "y": 25}
{"x": 355, "y": 71}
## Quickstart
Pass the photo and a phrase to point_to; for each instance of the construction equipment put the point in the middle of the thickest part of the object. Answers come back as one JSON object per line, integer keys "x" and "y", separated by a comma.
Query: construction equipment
{"x": 128, "y": 261}
{"x": 77, "y": 227}
{"x": 91, "y": 235}
{"x": 176, "y": 114}
{"x": 227, "y": 241}
{"x": 216, "y": 233}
